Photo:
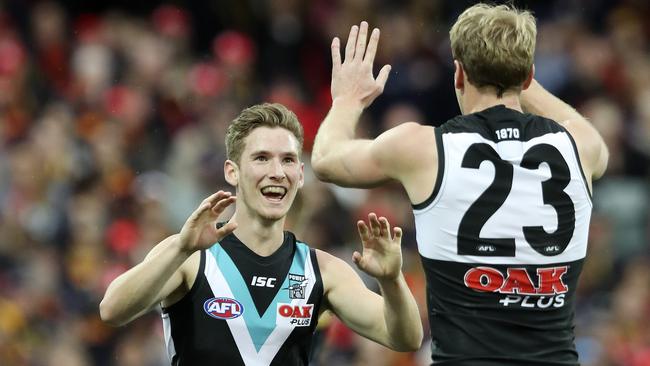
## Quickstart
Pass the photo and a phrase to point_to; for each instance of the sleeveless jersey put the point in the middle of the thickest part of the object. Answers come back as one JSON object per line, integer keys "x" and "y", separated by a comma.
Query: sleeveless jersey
{"x": 502, "y": 240}
{"x": 245, "y": 309}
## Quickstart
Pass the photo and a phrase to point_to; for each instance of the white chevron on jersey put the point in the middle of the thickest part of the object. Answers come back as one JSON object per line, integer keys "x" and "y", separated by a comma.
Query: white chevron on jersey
{"x": 167, "y": 332}
{"x": 238, "y": 327}
{"x": 437, "y": 223}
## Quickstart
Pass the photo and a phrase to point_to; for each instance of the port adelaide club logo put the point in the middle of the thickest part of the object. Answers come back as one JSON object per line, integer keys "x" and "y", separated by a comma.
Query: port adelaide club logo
{"x": 223, "y": 308}
{"x": 297, "y": 285}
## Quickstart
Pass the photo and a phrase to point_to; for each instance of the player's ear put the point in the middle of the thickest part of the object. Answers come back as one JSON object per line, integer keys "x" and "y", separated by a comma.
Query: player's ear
{"x": 459, "y": 75}
{"x": 301, "y": 182}
{"x": 231, "y": 172}
{"x": 529, "y": 79}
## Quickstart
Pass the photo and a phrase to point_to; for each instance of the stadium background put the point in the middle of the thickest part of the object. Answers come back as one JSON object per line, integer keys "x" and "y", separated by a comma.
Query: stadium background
{"x": 112, "y": 116}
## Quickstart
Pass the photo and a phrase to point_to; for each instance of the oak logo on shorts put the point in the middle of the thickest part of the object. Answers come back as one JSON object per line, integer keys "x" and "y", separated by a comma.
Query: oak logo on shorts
{"x": 296, "y": 315}
{"x": 223, "y": 308}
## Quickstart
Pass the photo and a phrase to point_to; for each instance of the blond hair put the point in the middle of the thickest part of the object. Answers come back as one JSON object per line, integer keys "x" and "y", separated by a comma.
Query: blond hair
{"x": 260, "y": 115}
{"x": 495, "y": 45}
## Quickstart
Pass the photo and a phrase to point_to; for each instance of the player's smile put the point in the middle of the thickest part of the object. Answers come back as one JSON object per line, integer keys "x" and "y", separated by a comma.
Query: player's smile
{"x": 274, "y": 193}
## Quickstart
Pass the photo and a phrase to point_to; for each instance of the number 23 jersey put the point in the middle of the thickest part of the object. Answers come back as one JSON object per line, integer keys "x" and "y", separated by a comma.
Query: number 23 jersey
{"x": 502, "y": 239}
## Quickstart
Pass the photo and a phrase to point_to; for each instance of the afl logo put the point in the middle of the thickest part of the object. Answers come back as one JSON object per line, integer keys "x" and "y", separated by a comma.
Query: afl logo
{"x": 223, "y": 308}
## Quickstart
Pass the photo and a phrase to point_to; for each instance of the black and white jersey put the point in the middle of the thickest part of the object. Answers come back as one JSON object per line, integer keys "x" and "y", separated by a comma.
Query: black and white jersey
{"x": 244, "y": 309}
{"x": 502, "y": 240}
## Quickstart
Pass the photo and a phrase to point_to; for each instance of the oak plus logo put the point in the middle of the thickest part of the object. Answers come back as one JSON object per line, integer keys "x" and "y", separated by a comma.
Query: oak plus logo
{"x": 548, "y": 290}
{"x": 223, "y": 308}
{"x": 294, "y": 315}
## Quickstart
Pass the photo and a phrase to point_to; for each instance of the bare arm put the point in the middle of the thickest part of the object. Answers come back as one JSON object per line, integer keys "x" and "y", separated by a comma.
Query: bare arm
{"x": 137, "y": 290}
{"x": 392, "y": 319}
{"x": 591, "y": 147}
{"x": 338, "y": 156}
{"x": 161, "y": 273}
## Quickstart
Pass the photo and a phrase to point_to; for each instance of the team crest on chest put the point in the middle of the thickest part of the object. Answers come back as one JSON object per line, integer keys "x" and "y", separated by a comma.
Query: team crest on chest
{"x": 297, "y": 285}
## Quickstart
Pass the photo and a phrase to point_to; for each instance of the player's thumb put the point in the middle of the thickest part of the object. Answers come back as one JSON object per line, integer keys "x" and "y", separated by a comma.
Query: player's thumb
{"x": 357, "y": 258}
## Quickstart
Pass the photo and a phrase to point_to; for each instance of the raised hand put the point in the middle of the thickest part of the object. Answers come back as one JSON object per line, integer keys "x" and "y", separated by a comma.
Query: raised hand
{"x": 353, "y": 77}
{"x": 382, "y": 253}
{"x": 200, "y": 230}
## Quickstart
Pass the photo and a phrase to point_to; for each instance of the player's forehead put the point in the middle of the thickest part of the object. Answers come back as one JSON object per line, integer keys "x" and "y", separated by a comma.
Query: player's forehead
{"x": 271, "y": 139}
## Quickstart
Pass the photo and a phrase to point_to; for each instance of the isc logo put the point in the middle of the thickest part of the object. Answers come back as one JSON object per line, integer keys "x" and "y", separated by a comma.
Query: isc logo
{"x": 223, "y": 308}
{"x": 261, "y": 281}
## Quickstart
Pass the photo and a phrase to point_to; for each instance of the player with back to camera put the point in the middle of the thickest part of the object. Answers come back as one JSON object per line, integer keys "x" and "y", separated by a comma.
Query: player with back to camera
{"x": 500, "y": 194}
{"x": 249, "y": 293}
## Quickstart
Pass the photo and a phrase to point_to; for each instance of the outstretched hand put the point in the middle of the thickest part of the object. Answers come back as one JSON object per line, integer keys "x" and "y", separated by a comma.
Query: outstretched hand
{"x": 200, "y": 230}
{"x": 382, "y": 253}
{"x": 353, "y": 77}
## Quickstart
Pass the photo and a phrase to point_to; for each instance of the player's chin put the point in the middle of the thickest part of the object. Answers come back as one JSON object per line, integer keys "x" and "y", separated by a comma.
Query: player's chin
{"x": 274, "y": 214}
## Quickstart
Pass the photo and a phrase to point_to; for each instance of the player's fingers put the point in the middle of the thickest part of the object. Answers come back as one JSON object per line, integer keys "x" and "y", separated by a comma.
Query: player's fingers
{"x": 336, "y": 53}
{"x": 216, "y": 197}
{"x": 361, "y": 41}
{"x": 374, "y": 224}
{"x": 384, "y": 227}
{"x": 357, "y": 258}
{"x": 226, "y": 229}
{"x": 352, "y": 41}
{"x": 383, "y": 76}
{"x": 204, "y": 207}
{"x": 222, "y": 204}
{"x": 397, "y": 234}
{"x": 364, "y": 232}
{"x": 371, "y": 51}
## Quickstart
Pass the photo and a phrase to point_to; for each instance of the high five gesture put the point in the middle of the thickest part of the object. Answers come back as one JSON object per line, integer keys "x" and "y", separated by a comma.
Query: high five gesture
{"x": 353, "y": 78}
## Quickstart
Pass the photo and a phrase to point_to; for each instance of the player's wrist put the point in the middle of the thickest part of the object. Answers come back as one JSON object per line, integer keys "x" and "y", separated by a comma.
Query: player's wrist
{"x": 391, "y": 279}
{"x": 182, "y": 246}
{"x": 349, "y": 103}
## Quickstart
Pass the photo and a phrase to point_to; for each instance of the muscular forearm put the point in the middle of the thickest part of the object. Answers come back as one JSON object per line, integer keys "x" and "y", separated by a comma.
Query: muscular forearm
{"x": 538, "y": 100}
{"x": 401, "y": 314}
{"x": 338, "y": 157}
{"x": 135, "y": 291}
{"x": 335, "y": 135}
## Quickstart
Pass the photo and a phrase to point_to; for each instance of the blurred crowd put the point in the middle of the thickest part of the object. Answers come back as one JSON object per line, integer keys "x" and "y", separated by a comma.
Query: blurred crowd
{"x": 112, "y": 121}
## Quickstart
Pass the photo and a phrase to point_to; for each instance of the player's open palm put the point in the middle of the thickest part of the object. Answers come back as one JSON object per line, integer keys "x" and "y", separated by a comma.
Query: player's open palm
{"x": 381, "y": 256}
{"x": 200, "y": 230}
{"x": 352, "y": 78}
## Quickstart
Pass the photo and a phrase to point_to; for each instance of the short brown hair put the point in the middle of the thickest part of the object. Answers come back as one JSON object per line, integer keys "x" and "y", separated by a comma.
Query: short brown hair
{"x": 260, "y": 115}
{"x": 495, "y": 45}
